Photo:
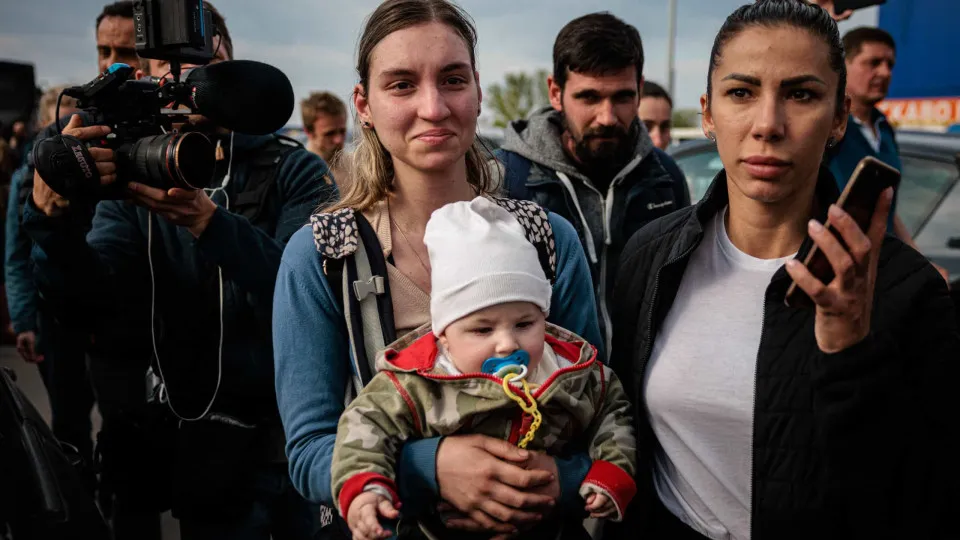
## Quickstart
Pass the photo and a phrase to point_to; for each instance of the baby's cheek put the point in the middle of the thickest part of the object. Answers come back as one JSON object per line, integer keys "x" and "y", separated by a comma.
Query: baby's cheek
{"x": 468, "y": 355}
{"x": 535, "y": 350}
{"x": 472, "y": 364}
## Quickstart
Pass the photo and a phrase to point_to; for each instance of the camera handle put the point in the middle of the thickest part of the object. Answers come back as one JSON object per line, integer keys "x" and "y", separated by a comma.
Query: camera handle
{"x": 65, "y": 164}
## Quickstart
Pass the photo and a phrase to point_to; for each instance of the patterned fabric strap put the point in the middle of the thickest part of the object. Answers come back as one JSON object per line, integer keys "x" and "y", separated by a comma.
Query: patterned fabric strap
{"x": 533, "y": 218}
{"x": 335, "y": 234}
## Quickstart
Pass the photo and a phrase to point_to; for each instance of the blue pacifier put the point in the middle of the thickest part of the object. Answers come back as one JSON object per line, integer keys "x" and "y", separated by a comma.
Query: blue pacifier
{"x": 517, "y": 362}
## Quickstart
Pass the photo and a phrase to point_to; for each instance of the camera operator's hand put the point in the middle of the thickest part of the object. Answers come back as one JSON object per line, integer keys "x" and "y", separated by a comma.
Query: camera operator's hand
{"x": 190, "y": 209}
{"x": 52, "y": 203}
{"x": 27, "y": 347}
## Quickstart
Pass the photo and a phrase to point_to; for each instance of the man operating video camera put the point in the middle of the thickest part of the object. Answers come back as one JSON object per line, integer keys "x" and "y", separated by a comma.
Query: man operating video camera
{"x": 195, "y": 211}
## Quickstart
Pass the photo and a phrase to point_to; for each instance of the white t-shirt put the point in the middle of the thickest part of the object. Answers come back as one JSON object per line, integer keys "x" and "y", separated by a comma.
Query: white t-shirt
{"x": 699, "y": 386}
{"x": 870, "y": 133}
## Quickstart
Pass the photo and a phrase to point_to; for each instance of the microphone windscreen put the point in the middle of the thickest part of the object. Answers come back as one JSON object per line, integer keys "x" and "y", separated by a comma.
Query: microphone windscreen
{"x": 242, "y": 95}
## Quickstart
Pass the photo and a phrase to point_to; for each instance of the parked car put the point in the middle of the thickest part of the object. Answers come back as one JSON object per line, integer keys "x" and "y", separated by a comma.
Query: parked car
{"x": 682, "y": 135}
{"x": 492, "y": 138}
{"x": 928, "y": 200}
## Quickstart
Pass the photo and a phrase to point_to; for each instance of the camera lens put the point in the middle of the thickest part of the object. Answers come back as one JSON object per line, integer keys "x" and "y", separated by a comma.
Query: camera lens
{"x": 181, "y": 160}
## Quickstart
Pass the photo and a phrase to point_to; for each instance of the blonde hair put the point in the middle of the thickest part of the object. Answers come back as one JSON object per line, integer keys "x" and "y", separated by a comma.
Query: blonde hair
{"x": 49, "y": 100}
{"x": 370, "y": 165}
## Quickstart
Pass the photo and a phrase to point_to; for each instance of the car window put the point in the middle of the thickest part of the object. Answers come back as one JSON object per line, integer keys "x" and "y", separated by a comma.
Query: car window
{"x": 923, "y": 185}
{"x": 700, "y": 168}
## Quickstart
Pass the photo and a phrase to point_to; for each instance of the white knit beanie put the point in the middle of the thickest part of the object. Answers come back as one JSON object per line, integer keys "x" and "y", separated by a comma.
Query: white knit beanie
{"x": 480, "y": 257}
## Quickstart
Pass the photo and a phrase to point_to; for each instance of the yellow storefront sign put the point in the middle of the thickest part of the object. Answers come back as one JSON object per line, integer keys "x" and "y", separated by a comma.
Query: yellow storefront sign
{"x": 925, "y": 112}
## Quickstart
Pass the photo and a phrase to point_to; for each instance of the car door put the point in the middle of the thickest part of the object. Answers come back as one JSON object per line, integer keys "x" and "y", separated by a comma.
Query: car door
{"x": 928, "y": 203}
{"x": 700, "y": 163}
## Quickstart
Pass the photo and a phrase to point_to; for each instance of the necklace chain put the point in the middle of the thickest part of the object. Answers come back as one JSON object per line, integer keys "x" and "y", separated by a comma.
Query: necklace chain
{"x": 410, "y": 244}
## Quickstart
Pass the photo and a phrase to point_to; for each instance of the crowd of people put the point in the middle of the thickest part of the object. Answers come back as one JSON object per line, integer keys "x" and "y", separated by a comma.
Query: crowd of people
{"x": 408, "y": 336}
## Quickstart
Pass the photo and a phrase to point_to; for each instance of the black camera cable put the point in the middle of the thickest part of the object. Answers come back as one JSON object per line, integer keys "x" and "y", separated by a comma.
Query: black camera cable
{"x": 57, "y": 113}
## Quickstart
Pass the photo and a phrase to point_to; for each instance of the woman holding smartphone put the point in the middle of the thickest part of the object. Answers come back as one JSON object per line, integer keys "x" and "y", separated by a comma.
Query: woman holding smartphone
{"x": 757, "y": 420}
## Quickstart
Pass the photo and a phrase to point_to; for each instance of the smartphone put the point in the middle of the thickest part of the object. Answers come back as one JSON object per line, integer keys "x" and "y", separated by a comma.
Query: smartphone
{"x": 859, "y": 199}
{"x": 839, "y": 6}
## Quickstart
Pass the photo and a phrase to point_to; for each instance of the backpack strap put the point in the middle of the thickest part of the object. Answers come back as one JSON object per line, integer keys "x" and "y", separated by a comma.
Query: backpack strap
{"x": 516, "y": 169}
{"x": 356, "y": 270}
{"x": 355, "y": 267}
{"x": 533, "y": 218}
{"x": 257, "y": 201}
{"x": 370, "y": 288}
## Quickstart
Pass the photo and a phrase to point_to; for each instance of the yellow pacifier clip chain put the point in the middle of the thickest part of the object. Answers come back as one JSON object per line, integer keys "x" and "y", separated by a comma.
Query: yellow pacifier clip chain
{"x": 530, "y": 409}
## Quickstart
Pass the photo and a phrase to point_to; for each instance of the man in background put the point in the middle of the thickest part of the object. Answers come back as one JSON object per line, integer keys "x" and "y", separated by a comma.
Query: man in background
{"x": 325, "y": 123}
{"x": 189, "y": 275}
{"x": 870, "y": 54}
{"x": 118, "y": 358}
{"x": 586, "y": 157}
{"x": 22, "y": 296}
{"x": 656, "y": 113}
{"x": 115, "y": 36}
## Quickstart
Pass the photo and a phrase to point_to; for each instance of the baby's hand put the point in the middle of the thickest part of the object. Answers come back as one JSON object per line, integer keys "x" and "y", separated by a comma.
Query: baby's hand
{"x": 600, "y": 506}
{"x": 363, "y": 512}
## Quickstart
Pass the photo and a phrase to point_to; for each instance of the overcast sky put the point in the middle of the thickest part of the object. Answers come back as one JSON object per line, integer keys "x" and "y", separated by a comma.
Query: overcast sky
{"x": 314, "y": 41}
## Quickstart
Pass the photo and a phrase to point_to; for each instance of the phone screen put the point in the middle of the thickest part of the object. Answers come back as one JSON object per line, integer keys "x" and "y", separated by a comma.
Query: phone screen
{"x": 859, "y": 199}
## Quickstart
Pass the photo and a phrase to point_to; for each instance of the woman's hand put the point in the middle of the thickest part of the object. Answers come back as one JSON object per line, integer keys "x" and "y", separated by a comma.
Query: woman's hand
{"x": 844, "y": 304}
{"x": 539, "y": 461}
{"x": 485, "y": 479}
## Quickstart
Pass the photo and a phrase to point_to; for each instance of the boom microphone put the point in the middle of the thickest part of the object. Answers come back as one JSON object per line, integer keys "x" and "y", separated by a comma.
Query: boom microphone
{"x": 241, "y": 95}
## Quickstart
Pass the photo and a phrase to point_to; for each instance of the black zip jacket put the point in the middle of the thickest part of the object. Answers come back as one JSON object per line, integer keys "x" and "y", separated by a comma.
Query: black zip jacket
{"x": 857, "y": 444}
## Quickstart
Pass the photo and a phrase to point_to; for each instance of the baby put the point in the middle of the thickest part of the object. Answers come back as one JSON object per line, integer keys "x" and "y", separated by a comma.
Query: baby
{"x": 488, "y": 363}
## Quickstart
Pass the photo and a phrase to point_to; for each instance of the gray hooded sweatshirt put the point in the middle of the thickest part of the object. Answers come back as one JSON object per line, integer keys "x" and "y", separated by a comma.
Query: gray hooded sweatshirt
{"x": 642, "y": 191}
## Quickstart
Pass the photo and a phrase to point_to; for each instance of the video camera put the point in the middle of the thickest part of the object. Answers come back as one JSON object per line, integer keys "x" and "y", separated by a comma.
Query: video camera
{"x": 142, "y": 113}
{"x": 174, "y": 30}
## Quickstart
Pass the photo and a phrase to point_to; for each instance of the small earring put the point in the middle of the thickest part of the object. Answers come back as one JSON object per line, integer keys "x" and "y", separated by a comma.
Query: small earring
{"x": 712, "y": 136}
{"x": 831, "y": 142}
{"x": 366, "y": 124}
